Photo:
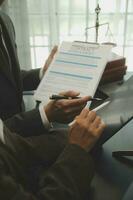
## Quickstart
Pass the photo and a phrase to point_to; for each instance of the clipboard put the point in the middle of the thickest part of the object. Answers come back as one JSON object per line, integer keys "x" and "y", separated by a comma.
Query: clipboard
{"x": 77, "y": 66}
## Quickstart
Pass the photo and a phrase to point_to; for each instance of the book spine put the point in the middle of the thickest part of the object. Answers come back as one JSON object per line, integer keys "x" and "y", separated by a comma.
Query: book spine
{"x": 112, "y": 78}
{"x": 115, "y": 63}
{"x": 115, "y": 70}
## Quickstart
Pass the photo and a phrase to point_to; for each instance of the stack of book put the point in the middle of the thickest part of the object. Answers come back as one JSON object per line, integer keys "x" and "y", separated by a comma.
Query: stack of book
{"x": 115, "y": 69}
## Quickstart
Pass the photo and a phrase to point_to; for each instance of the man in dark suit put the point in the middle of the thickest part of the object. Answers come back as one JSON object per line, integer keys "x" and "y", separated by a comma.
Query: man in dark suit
{"x": 14, "y": 81}
{"x": 62, "y": 171}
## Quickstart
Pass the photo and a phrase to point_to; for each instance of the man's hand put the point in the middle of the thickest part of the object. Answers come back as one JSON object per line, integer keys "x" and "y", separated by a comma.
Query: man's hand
{"x": 86, "y": 129}
{"x": 49, "y": 59}
{"x": 65, "y": 110}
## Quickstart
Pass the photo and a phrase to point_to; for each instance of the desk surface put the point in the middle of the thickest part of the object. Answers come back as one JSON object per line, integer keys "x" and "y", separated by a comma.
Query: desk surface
{"x": 113, "y": 177}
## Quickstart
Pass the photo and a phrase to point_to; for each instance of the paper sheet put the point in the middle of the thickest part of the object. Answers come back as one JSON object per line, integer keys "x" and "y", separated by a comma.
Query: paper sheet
{"x": 77, "y": 66}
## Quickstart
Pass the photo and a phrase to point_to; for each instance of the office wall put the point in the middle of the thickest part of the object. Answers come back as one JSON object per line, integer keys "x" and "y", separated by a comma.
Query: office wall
{"x": 40, "y": 24}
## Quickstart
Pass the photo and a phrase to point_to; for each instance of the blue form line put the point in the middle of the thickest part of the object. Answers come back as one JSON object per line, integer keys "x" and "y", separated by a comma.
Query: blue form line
{"x": 75, "y": 63}
{"x": 73, "y": 75}
{"x": 81, "y": 55}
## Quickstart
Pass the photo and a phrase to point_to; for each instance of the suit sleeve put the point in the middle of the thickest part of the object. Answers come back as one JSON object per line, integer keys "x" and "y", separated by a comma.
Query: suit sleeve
{"x": 30, "y": 79}
{"x": 69, "y": 178}
{"x": 26, "y": 123}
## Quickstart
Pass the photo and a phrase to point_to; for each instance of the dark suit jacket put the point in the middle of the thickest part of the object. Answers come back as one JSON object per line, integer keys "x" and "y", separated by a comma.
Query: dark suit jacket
{"x": 67, "y": 179}
{"x": 13, "y": 82}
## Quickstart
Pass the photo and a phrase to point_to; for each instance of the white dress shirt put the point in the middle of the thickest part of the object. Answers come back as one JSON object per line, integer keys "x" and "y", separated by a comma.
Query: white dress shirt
{"x": 44, "y": 118}
{"x": 1, "y": 132}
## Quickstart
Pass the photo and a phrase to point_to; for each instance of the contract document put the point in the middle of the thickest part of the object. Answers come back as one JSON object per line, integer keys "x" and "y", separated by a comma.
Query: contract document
{"x": 77, "y": 66}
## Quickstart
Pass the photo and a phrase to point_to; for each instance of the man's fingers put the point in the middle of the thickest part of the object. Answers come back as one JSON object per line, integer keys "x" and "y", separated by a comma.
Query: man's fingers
{"x": 74, "y": 109}
{"x": 54, "y": 50}
{"x": 91, "y": 116}
{"x": 50, "y": 57}
{"x": 101, "y": 128}
{"x": 96, "y": 122}
{"x": 74, "y": 102}
{"x": 70, "y": 93}
{"x": 84, "y": 112}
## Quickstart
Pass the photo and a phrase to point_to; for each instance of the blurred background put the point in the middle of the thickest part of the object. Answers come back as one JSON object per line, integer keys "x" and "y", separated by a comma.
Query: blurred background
{"x": 40, "y": 24}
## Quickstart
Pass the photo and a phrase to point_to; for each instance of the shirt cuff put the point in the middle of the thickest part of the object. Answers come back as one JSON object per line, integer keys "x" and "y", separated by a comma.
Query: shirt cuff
{"x": 44, "y": 118}
{"x": 1, "y": 132}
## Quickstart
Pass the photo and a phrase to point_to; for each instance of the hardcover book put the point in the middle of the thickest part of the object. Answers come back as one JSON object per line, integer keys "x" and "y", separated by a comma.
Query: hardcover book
{"x": 115, "y": 60}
